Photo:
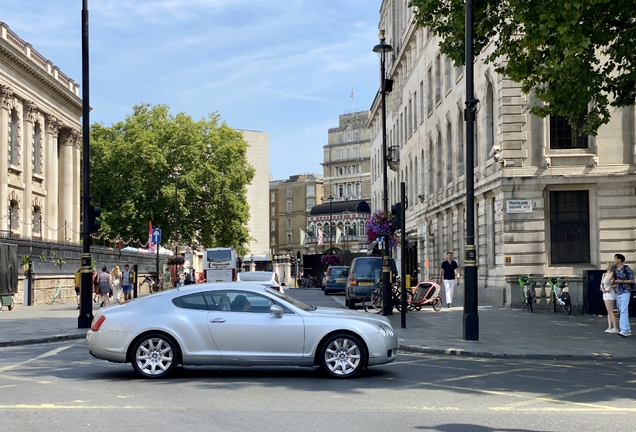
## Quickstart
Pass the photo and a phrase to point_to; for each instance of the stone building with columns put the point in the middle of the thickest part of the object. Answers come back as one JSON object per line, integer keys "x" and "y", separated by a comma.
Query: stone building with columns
{"x": 548, "y": 201}
{"x": 40, "y": 138}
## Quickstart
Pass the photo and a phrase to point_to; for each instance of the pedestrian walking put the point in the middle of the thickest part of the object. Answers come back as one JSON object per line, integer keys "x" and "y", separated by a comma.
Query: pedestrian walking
{"x": 166, "y": 279}
{"x": 126, "y": 282}
{"x": 95, "y": 286}
{"x": 105, "y": 285}
{"x": 609, "y": 297}
{"x": 624, "y": 282}
{"x": 448, "y": 274}
{"x": 116, "y": 274}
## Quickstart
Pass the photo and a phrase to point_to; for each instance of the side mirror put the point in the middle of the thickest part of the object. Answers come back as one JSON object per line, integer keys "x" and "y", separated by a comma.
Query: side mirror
{"x": 276, "y": 310}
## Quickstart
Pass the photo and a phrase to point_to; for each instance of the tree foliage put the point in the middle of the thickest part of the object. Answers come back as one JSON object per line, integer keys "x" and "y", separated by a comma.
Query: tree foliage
{"x": 575, "y": 56}
{"x": 132, "y": 163}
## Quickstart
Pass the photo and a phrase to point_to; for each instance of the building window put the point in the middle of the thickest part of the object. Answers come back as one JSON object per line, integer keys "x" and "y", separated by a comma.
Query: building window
{"x": 289, "y": 206}
{"x": 289, "y": 239}
{"x": 421, "y": 101}
{"x": 569, "y": 227}
{"x": 449, "y": 154}
{"x": 13, "y": 138}
{"x": 447, "y": 73}
{"x": 410, "y": 120}
{"x": 349, "y": 189}
{"x": 37, "y": 149}
{"x": 289, "y": 224}
{"x": 429, "y": 96}
{"x": 14, "y": 213}
{"x": 440, "y": 161}
{"x": 438, "y": 79}
{"x": 564, "y": 136}
{"x": 272, "y": 197}
{"x": 357, "y": 136}
{"x": 272, "y": 225}
{"x": 289, "y": 192}
{"x": 348, "y": 137}
{"x": 272, "y": 241}
{"x": 414, "y": 111}
{"x": 311, "y": 190}
{"x": 460, "y": 146}
{"x": 356, "y": 152}
{"x": 357, "y": 189}
{"x": 339, "y": 154}
{"x": 431, "y": 184}
{"x": 37, "y": 221}
{"x": 272, "y": 211}
{"x": 310, "y": 204}
{"x": 339, "y": 139}
{"x": 490, "y": 117}
{"x": 340, "y": 191}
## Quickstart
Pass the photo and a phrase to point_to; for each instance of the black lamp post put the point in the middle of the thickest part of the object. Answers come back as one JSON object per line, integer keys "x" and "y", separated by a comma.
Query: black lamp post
{"x": 470, "y": 318}
{"x": 176, "y": 175}
{"x": 382, "y": 48}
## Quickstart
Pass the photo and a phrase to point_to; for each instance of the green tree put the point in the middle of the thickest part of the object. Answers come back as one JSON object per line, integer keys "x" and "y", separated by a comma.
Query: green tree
{"x": 131, "y": 167}
{"x": 576, "y": 56}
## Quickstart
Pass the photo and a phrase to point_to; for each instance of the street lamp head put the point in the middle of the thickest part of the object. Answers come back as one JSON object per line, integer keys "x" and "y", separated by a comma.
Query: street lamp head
{"x": 382, "y": 47}
{"x": 175, "y": 174}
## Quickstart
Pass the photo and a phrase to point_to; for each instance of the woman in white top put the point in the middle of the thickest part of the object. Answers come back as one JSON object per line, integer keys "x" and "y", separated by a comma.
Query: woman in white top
{"x": 609, "y": 297}
{"x": 116, "y": 276}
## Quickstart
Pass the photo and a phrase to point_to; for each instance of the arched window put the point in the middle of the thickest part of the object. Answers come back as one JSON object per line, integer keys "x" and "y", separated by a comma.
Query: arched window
{"x": 13, "y": 138}
{"x": 37, "y": 149}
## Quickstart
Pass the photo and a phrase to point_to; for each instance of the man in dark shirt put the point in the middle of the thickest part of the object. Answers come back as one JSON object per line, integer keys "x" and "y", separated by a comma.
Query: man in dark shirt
{"x": 448, "y": 273}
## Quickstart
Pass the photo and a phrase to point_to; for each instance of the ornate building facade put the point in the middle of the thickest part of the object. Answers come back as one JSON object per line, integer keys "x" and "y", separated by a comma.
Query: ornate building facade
{"x": 40, "y": 138}
{"x": 548, "y": 201}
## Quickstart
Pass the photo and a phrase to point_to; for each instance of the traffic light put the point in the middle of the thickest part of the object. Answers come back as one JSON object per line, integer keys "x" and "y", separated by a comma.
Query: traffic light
{"x": 396, "y": 220}
{"x": 298, "y": 256}
{"x": 94, "y": 224}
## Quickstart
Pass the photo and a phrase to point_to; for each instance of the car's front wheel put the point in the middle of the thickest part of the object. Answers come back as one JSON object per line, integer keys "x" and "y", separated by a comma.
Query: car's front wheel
{"x": 342, "y": 355}
{"x": 155, "y": 356}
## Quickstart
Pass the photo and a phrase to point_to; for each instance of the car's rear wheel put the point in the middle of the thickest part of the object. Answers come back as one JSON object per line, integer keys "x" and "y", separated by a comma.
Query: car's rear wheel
{"x": 155, "y": 356}
{"x": 351, "y": 304}
{"x": 342, "y": 355}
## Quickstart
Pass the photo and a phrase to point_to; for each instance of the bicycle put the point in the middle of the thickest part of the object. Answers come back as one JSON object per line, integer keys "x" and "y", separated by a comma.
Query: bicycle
{"x": 526, "y": 288}
{"x": 560, "y": 298}
{"x": 374, "y": 301}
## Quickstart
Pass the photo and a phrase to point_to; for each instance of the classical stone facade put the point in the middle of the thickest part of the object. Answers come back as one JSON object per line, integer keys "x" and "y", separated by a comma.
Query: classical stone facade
{"x": 548, "y": 202}
{"x": 291, "y": 201}
{"x": 40, "y": 138}
{"x": 346, "y": 166}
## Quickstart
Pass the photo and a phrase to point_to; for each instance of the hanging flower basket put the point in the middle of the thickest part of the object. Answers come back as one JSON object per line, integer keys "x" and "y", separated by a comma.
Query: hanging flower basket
{"x": 330, "y": 259}
{"x": 379, "y": 225}
{"x": 176, "y": 260}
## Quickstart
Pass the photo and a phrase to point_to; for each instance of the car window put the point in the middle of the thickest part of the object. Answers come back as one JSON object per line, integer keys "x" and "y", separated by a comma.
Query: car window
{"x": 240, "y": 301}
{"x": 371, "y": 268}
{"x": 191, "y": 301}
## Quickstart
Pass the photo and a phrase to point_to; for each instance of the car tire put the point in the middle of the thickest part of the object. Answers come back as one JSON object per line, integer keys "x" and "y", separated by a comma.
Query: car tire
{"x": 326, "y": 292}
{"x": 155, "y": 355}
{"x": 342, "y": 355}
{"x": 351, "y": 304}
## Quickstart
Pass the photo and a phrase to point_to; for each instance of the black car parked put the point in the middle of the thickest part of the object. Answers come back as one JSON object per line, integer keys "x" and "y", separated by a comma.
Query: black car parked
{"x": 365, "y": 275}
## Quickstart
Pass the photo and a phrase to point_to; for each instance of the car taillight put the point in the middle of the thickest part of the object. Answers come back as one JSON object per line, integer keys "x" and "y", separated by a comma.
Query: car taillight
{"x": 354, "y": 282}
{"x": 98, "y": 323}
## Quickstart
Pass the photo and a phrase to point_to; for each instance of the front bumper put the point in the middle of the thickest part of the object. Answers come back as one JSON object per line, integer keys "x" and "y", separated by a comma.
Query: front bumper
{"x": 382, "y": 349}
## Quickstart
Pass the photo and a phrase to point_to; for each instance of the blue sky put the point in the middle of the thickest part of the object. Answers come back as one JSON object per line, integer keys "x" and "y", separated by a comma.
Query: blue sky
{"x": 285, "y": 67}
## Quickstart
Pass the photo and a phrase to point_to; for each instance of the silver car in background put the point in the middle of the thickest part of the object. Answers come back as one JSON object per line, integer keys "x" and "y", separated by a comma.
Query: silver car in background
{"x": 237, "y": 324}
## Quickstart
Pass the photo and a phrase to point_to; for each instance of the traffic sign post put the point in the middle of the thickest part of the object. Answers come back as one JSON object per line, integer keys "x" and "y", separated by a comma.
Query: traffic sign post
{"x": 156, "y": 235}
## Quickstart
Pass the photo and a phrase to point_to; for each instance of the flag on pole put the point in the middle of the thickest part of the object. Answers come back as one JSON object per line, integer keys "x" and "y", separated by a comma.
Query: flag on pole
{"x": 303, "y": 234}
{"x": 352, "y": 92}
{"x": 319, "y": 237}
{"x": 338, "y": 235}
{"x": 151, "y": 245}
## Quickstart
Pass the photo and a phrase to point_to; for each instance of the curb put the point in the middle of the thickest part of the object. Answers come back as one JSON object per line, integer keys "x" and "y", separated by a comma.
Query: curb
{"x": 502, "y": 355}
{"x": 48, "y": 339}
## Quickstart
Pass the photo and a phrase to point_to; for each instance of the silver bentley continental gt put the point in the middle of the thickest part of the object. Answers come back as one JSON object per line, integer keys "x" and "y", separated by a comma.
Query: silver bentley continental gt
{"x": 237, "y": 324}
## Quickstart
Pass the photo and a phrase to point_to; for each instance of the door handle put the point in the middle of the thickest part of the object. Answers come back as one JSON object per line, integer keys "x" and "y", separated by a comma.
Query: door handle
{"x": 217, "y": 320}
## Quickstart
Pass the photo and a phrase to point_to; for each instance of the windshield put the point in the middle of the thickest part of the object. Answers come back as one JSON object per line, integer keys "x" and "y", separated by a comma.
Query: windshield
{"x": 255, "y": 276}
{"x": 291, "y": 300}
{"x": 219, "y": 256}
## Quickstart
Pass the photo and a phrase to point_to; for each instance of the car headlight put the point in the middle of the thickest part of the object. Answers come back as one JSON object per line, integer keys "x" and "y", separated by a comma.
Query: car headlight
{"x": 385, "y": 330}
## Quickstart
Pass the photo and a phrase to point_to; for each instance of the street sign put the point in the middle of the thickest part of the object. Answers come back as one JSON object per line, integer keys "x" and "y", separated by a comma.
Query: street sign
{"x": 156, "y": 235}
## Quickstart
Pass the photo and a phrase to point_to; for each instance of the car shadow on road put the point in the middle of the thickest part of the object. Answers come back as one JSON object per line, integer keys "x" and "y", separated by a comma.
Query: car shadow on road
{"x": 467, "y": 427}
